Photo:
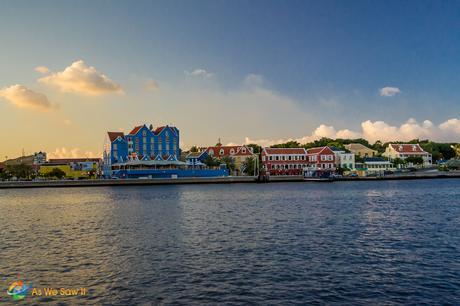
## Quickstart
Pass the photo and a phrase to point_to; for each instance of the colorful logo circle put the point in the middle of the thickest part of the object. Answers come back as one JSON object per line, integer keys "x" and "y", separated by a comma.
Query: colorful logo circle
{"x": 18, "y": 290}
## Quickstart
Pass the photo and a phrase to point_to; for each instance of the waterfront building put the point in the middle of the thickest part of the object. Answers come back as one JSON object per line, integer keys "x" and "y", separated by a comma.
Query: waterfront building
{"x": 321, "y": 158}
{"x": 377, "y": 166}
{"x": 75, "y": 168}
{"x": 360, "y": 150}
{"x": 403, "y": 151}
{"x": 284, "y": 161}
{"x": 196, "y": 159}
{"x": 39, "y": 158}
{"x": 238, "y": 153}
{"x": 146, "y": 152}
{"x": 343, "y": 159}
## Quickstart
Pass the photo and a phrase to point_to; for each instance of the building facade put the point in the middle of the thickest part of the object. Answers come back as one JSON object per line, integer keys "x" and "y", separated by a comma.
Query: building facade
{"x": 344, "y": 159}
{"x": 321, "y": 159}
{"x": 75, "y": 168}
{"x": 377, "y": 166}
{"x": 403, "y": 151}
{"x": 284, "y": 161}
{"x": 144, "y": 143}
{"x": 238, "y": 153}
{"x": 360, "y": 150}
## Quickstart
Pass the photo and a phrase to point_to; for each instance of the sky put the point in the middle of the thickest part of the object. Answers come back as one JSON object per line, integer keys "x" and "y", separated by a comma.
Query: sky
{"x": 242, "y": 71}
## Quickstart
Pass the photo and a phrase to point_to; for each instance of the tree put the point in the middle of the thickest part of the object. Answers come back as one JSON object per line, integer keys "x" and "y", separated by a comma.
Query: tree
{"x": 289, "y": 144}
{"x": 249, "y": 166}
{"x": 399, "y": 161}
{"x": 416, "y": 160}
{"x": 229, "y": 162}
{"x": 21, "y": 171}
{"x": 255, "y": 148}
{"x": 55, "y": 172}
{"x": 211, "y": 161}
{"x": 194, "y": 149}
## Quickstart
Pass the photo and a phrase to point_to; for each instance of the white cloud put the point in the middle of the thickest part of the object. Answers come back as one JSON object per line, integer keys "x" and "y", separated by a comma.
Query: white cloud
{"x": 151, "y": 85}
{"x": 72, "y": 153}
{"x": 389, "y": 91}
{"x": 83, "y": 79}
{"x": 199, "y": 73}
{"x": 42, "y": 69}
{"x": 24, "y": 97}
{"x": 451, "y": 125}
{"x": 379, "y": 130}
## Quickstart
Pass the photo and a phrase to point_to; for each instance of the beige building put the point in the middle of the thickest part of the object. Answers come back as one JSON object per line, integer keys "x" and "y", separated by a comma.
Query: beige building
{"x": 360, "y": 150}
{"x": 403, "y": 151}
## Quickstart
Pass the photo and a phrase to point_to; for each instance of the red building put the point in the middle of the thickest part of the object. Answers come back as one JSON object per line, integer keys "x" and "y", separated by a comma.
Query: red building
{"x": 321, "y": 159}
{"x": 284, "y": 161}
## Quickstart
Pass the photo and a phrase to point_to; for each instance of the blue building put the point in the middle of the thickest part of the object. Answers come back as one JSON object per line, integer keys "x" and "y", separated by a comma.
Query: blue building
{"x": 148, "y": 152}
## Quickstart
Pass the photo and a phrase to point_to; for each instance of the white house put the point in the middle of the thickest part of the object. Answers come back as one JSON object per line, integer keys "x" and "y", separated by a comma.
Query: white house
{"x": 377, "y": 165}
{"x": 344, "y": 159}
{"x": 403, "y": 151}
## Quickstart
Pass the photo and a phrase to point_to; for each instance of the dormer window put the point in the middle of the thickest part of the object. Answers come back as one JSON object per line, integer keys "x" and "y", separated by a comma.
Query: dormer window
{"x": 232, "y": 151}
{"x": 243, "y": 150}
{"x": 144, "y": 133}
{"x": 221, "y": 152}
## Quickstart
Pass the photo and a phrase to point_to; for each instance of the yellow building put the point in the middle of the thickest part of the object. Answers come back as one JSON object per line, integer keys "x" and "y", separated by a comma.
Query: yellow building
{"x": 360, "y": 150}
{"x": 73, "y": 168}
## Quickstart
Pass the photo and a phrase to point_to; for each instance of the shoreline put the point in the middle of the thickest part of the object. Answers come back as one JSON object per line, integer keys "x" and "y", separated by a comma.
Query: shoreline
{"x": 213, "y": 180}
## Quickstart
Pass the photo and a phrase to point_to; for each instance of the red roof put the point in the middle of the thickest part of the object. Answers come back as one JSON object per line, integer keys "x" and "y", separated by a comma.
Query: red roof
{"x": 285, "y": 151}
{"x": 115, "y": 135}
{"x": 159, "y": 129}
{"x": 319, "y": 150}
{"x": 407, "y": 148}
{"x": 236, "y": 149}
{"x": 135, "y": 130}
{"x": 2, "y": 166}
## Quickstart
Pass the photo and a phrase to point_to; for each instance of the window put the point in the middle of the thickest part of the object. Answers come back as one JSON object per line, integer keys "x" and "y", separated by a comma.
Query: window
{"x": 270, "y": 157}
{"x": 232, "y": 151}
{"x": 144, "y": 147}
{"x": 114, "y": 146}
{"x": 243, "y": 150}
{"x": 160, "y": 145}
{"x": 221, "y": 152}
{"x": 277, "y": 158}
{"x": 167, "y": 146}
{"x": 144, "y": 133}
{"x": 136, "y": 144}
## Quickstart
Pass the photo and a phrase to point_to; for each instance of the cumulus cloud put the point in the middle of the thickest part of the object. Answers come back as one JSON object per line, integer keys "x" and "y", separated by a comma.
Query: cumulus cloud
{"x": 448, "y": 130}
{"x": 199, "y": 73}
{"x": 72, "y": 153}
{"x": 24, "y": 97}
{"x": 389, "y": 91}
{"x": 151, "y": 85}
{"x": 83, "y": 79}
{"x": 42, "y": 69}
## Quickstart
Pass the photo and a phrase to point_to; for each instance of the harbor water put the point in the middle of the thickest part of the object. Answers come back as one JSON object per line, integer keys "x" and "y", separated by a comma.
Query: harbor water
{"x": 352, "y": 243}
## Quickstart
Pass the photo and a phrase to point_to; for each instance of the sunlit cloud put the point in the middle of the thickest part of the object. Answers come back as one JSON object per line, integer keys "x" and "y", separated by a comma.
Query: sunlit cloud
{"x": 389, "y": 91}
{"x": 448, "y": 130}
{"x": 42, "y": 69}
{"x": 23, "y": 97}
{"x": 82, "y": 79}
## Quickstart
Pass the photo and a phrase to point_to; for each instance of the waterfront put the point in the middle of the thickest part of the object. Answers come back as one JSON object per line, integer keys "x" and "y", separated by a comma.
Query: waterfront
{"x": 381, "y": 242}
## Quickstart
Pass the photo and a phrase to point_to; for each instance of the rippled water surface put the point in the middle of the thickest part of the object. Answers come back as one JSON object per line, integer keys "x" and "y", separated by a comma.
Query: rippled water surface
{"x": 284, "y": 243}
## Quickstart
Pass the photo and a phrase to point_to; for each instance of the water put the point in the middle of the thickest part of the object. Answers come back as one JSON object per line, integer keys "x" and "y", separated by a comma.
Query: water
{"x": 360, "y": 243}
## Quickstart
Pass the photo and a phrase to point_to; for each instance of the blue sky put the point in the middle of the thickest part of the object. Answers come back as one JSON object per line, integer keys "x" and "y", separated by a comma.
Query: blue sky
{"x": 329, "y": 59}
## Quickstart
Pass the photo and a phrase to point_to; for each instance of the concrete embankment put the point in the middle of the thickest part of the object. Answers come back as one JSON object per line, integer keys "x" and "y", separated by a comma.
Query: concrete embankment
{"x": 209, "y": 180}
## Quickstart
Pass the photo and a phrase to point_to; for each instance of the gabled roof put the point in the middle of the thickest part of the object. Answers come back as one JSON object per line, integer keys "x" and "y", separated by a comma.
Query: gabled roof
{"x": 357, "y": 147}
{"x": 195, "y": 154}
{"x": 407, "y": 148}
{"x": 136, "y": 129}
{"x": 319, "y": 150}
{"x": 285, "y": 151}
{"x": 115, "y": 135}
{"x": 238, "y": 150}
{"x": 160, "y": 129}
